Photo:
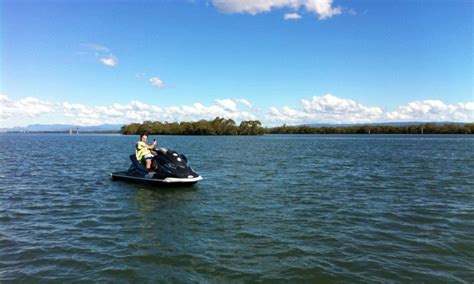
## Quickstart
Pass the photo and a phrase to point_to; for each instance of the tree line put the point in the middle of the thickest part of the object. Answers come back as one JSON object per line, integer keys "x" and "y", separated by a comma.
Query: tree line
{"x": 424, "y": 128}
{"x": 218, "y": 126}
{"x": 222, "y": 126}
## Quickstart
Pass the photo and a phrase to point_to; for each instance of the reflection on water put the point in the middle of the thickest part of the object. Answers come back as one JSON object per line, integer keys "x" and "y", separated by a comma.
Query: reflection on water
{"x": 148, "y": 199}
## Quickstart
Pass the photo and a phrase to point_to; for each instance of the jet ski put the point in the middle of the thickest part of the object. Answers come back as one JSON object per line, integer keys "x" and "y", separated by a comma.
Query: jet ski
{"x": 171, "y": 168}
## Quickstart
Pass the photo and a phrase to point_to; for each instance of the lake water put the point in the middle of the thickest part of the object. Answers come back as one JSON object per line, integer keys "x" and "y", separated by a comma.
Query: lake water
{"x": 369, "y": 208}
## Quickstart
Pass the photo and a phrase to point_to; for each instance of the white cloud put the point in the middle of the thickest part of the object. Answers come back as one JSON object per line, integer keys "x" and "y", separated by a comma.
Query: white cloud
{"x": 253, "y": 7}
{"x": 331, "y": 109}
{"x": 109, "y": 60}
{"x": 330, "y": 104}
{"x": 157, "y": 82}
{"x": 469, "y": 106}
{"x": 433, "y": 110}
{"x": 292, "y": 16}
{"x": 30, "y": 107}
{"x": 326, "y": 109}
{"x": 246, "y": 103}
{"x": 136, "y": 111}
{"x": 227, "y": 104}
{"x": 318, "y": 109}
{"x": 322, "y": 8}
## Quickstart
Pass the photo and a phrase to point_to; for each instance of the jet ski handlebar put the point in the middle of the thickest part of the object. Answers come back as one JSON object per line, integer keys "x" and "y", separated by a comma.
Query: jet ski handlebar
{"x": 160, "y": 149}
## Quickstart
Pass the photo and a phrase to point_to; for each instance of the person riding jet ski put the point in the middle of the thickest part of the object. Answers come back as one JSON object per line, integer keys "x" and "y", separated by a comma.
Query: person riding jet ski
{"x": 143, "y": 152}
{"x": 158, "y": 166}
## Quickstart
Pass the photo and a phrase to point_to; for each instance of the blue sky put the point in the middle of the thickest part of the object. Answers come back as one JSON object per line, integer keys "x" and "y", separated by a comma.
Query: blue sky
{"x": 280, "y": 61}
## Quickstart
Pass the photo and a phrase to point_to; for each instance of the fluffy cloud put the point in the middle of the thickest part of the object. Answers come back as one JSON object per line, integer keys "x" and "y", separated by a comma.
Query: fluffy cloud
{"x": 157, "y": 82}
{"x": 433, "y": 110}
{"x": 331, "y": 109}
{"x": 227, "y": 104}
{"x": 318, "y": 109}
{"x": 322, "y": 8}
{"x": 246, "y": 103}
{"x": 292, "y": 16}
{"x": 116, "y": 113}
{"x": 332, "y": 105}
{"x": 136, "y": 111}
{"x": 327, "y": 109}
{"x": 253, "y": 7}
{"x": 109, "y": 60}
{"x": 26, "y": 107}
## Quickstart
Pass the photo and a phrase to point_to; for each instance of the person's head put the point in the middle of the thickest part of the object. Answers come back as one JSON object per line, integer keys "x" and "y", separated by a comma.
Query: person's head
{"x": 143, "y": 137}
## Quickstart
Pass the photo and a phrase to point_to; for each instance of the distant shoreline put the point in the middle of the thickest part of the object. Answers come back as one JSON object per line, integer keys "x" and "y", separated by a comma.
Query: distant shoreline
{"x": 227, "y": 127}
{"x": 222, "y": 126}
{"x": 60, "y": 132}
{"x": 237, "y": 135}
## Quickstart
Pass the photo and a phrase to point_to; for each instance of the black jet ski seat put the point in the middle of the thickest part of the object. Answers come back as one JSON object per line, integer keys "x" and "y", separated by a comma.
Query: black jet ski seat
{"x": 136, "y": 165}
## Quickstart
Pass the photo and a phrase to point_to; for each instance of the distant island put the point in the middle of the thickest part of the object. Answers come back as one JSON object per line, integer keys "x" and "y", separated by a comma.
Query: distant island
{"x": 222, "y": 126}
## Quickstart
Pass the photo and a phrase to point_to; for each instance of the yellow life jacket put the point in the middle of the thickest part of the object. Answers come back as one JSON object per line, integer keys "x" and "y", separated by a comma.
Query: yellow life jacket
{"x": 141, "y": 150}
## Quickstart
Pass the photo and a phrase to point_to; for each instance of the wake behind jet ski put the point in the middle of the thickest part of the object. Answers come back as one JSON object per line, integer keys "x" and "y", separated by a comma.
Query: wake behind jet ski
{"x": 169, "y": 168}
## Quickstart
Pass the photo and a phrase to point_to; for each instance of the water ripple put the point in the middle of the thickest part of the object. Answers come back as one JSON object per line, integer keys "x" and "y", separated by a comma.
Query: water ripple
{"x": 276, "y": 208}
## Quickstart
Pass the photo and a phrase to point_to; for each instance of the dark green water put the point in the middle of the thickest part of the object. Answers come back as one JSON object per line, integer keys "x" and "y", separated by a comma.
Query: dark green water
{"x": 271, "y": 208}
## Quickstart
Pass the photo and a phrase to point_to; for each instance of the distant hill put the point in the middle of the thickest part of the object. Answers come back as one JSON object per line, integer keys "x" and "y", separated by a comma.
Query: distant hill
{"x": 63, "y": 128}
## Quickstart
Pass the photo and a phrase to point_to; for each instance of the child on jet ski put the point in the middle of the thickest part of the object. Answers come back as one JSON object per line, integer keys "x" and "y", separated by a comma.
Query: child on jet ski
{"x": 143, "y": 151}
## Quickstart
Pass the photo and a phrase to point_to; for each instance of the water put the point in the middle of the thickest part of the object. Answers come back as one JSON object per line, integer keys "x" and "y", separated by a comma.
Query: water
{"x": 271, "y": 208}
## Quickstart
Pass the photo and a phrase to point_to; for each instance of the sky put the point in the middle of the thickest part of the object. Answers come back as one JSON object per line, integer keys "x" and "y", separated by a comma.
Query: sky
{"x": 90, "y": 62}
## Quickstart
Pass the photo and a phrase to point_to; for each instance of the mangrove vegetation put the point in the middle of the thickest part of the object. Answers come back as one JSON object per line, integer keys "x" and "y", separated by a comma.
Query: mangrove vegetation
{"x": 222, "y": 126}
{"x": 218, "y": 126}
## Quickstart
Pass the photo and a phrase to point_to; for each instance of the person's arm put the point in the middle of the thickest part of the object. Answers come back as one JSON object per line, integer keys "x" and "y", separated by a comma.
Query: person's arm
{"x": 152, "y": 146}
